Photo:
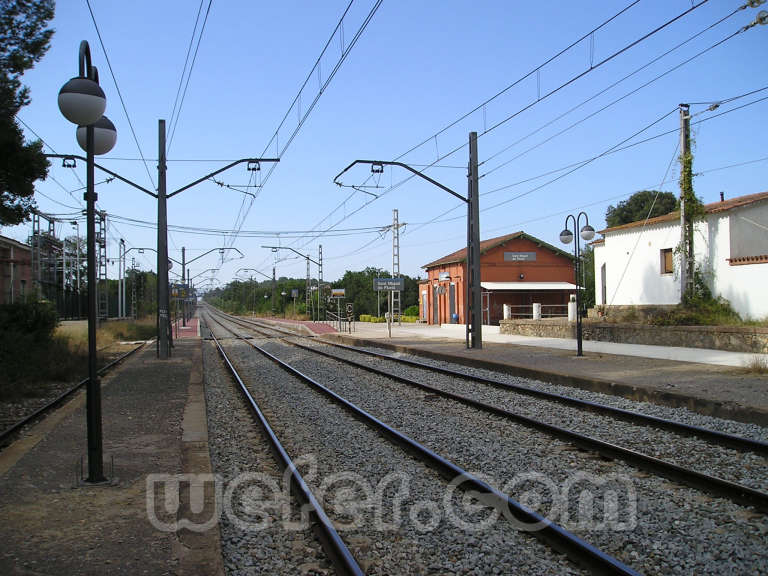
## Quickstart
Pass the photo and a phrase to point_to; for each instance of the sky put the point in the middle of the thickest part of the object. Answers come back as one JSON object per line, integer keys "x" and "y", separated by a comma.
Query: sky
{"x": 405, "y": 81}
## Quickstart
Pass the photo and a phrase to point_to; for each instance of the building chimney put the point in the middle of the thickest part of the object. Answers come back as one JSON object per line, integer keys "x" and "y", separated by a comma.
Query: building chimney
{"x": 722, "y": 196}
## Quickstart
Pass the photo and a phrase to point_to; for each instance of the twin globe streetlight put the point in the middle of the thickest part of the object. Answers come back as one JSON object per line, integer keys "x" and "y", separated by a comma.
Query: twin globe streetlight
{"x": 566, "y": 237}
{"x": 82, "y": 102}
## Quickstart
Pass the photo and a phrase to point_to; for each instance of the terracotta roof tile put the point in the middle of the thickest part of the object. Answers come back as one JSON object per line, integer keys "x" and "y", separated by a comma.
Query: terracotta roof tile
{"x": 486, "y": 245}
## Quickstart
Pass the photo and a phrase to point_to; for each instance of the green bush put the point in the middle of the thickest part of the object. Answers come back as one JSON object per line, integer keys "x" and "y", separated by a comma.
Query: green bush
{"x": 700, "y": 310}
{"x": 26, "y": 338}
{"x": 36, "y": 319}
{"x": 412, "y": 311}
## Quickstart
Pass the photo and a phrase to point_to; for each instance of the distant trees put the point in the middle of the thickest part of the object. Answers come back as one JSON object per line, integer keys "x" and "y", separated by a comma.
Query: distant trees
{"x": 639, "y": 206}
{"x": 244, "y": 296}
{"x": 359, "y": 291}
{"x": 24, "y": 40}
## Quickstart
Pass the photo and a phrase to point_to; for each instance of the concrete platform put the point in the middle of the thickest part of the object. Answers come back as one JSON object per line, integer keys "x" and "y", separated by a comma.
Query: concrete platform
{"x": 154, "y": 423}
{"x": 712, "y": 382}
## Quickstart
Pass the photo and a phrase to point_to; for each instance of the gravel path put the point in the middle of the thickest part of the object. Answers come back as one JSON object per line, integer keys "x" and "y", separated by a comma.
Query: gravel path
{"x": 242, "y": 457}
{"x": 677, "y": 531}
{"x": 742, "y": 467}
{"x": 410, "y": 530}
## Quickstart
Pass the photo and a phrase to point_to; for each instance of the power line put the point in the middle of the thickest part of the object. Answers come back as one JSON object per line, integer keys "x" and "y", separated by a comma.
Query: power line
{"x": 189, "y": 75}
{"x": 591, "y": 68}
{"x": 516, "y": 82}
{"x": 617, "y": 100}
{"x": 296, "y": 103}
{"x": 117, "y": 87}
{"x": 186, "y": 61}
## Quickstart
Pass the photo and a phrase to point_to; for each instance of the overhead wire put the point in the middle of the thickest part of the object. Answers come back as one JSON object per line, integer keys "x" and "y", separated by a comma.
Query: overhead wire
{"x": 186, "y": 61}
{"x": 119, "y": 93}
{"x": 189, "y": 75}
{"x": 591, "y": 68}
{"x": 347, "y": 48}
{"x": 613, "y": 102}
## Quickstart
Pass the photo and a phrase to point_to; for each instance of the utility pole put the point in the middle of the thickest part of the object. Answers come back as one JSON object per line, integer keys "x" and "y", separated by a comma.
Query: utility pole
{"x": 320, "y": 282}
{"x": 183, "y": 282}
{"x": 274, "y": 287}
{"x": 394, "y": 309}
{"x": 308, "y": 296}
{"x": 474, "y": 296}
{"x": 163, "y": 343}
{"x": 686, "y": 242}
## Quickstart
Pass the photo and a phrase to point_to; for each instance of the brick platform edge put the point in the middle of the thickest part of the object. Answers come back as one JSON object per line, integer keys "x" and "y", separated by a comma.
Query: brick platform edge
{"x": 699, "y": 405}
{"x": 198, "y": 552}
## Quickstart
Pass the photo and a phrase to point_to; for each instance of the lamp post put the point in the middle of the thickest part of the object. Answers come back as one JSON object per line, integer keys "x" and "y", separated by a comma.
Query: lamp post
{"x": 318, "y": 264}
{"x": 473, "y": 312}
{"x": 82, "y": 102}
{"x": 253, "y": 286}
{"x": 566, "y": 237}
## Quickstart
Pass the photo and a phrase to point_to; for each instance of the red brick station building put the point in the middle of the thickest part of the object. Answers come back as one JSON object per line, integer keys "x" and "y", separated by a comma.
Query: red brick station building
{"x": 516, "y": 269}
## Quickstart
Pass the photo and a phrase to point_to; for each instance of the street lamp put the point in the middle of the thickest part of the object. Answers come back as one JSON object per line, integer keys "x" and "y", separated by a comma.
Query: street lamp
{"x": 473, "y": 316}
{"x": 82, "y": 102}
{"x": 566, "y": 237}
{"x": 319, "y": 270}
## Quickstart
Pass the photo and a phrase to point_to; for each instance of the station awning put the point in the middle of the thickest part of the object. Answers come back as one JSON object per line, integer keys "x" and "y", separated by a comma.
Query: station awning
{"x": 527, "y": 286}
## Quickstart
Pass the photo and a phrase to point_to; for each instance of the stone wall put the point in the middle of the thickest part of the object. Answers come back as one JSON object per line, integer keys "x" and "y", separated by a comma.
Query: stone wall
{"x": 733, "y": 338}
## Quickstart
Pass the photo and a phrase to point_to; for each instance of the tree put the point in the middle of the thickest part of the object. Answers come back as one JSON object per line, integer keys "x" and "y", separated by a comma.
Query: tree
{"x": 24, "y": 40}
{"x": 639, "y": 206}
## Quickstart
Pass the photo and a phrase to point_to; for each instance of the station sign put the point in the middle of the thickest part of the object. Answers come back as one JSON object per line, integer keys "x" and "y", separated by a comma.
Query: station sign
{"x": 389, "y": 284}
{"x": 519, "y": 256}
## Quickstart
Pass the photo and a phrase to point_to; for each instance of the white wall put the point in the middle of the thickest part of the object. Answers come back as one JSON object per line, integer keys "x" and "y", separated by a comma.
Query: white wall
{"x": 633, "y": 266}
{"x": 637, "y": 249}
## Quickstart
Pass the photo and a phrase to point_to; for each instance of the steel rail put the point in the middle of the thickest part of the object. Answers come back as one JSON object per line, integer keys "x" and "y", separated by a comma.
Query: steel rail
{"x": 11, "y": 430}
{"x": 738, "y": 493}
{"x": 332, "y": 544}
{"x": 576, "y": 549}
{"x": 720, "y": 438}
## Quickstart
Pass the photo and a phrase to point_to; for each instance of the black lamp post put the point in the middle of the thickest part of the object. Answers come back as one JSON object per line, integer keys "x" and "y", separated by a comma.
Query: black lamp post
{"x": 82, "y": 102}
{"x": 566, "y": 237}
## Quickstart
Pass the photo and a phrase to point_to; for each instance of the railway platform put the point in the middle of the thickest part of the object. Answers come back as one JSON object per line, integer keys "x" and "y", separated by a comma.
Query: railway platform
{"x": 154, "y": 423}
{"x": 710, "y": 382}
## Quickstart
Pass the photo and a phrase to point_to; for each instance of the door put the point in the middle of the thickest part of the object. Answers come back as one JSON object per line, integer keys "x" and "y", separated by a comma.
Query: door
{"x": 451, "y": 302}
{"x": 603, "y": 289}
{"x": 435, "y": 307}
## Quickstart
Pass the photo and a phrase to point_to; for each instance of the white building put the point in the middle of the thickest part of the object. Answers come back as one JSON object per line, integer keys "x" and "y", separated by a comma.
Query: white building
{"x": 636, "y": 264}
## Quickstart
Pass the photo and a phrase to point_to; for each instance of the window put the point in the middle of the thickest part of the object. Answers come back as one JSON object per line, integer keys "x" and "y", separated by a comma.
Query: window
{"x": 666, "y": 261}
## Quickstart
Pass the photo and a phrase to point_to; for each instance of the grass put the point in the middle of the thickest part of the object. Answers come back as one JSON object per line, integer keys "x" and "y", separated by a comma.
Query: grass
{"x": 757, "y": 365}
{"x": 64, "y": 357}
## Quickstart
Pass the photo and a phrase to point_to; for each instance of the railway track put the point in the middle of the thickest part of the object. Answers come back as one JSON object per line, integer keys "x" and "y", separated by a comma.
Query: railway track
{"x": 7, "y": 435}
{"x": 448, "y": 537}
{"x": 431, "y": 395}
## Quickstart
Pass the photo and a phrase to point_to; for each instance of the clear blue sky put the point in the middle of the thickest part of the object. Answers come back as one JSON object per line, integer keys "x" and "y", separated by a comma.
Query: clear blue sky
{"x": 416, "y": 68}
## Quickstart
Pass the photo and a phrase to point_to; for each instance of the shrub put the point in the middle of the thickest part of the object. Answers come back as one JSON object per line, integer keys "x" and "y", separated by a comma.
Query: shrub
{"x": 26, "y": 336}
{"x": 412, "y": 311}
{"x": 700, "y": 310}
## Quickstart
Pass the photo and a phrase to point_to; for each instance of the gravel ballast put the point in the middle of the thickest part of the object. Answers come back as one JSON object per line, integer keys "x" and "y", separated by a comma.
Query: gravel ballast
{"x": 414, "y": 533}
{"x": 678, "y": 530}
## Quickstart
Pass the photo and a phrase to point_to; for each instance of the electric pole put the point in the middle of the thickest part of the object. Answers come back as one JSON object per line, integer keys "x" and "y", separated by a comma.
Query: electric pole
{"x": 320, "y": 282}
{"x": 474, "y": 296}
{"x": 163, "y": 304}
{"x": 686, "y": 193}
{"x": 394, "y": 309}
